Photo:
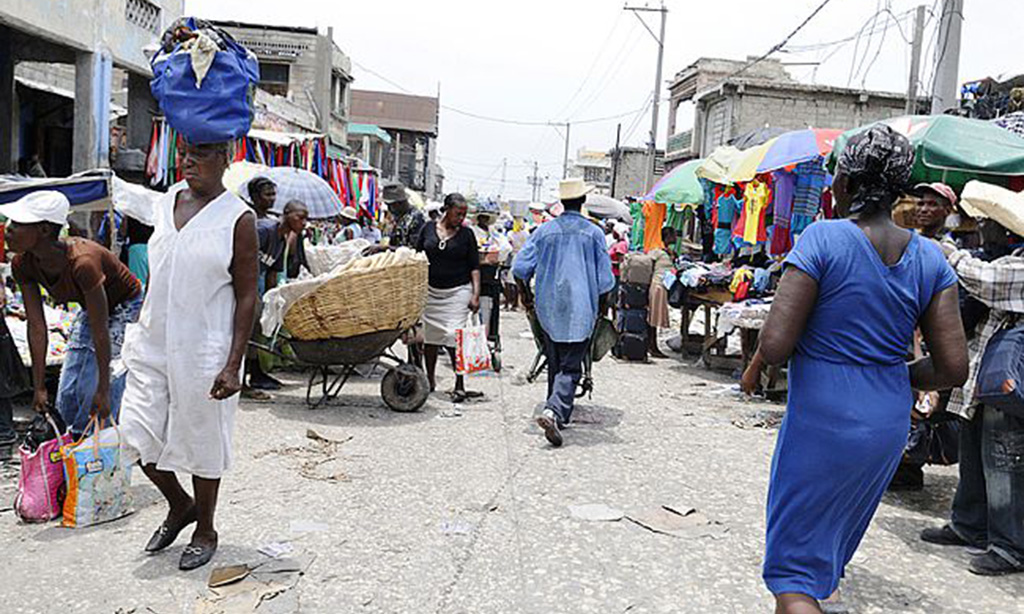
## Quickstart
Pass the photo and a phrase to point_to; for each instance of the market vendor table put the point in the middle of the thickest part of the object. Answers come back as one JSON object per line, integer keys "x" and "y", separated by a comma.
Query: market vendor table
{"x": 746, "y": 317}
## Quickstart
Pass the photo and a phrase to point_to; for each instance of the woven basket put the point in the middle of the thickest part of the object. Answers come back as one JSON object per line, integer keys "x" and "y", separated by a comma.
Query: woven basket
{"x": 361, "y": 301}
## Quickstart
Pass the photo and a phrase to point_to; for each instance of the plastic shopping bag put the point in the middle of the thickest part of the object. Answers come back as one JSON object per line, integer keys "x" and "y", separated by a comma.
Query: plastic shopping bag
{"x": 97, "y": 478}
{"x": 471, "y": 352}
{"x": 40, "y": 495}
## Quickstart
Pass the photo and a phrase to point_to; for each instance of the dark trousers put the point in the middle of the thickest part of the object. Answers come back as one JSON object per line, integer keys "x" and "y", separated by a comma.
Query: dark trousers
{"x": 565, "y": 368}
{"x": 988, "y": 509}
{"x": 6, "y": 420}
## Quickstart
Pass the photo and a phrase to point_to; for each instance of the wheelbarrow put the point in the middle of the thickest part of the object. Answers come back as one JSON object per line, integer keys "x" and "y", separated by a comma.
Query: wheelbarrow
{"x": 333, "y": 361}
{"x": 601, "y": 341}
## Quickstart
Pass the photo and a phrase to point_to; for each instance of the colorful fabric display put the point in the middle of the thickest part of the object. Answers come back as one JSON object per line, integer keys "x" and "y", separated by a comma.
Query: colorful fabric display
{"x": 728, "y": 205}
{"x": 782, "y": 238}
{"x": 811, "y": 180}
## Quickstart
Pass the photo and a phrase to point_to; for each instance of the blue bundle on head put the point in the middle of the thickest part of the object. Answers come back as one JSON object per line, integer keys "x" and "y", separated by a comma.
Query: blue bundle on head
{"x": 205, "y": 82}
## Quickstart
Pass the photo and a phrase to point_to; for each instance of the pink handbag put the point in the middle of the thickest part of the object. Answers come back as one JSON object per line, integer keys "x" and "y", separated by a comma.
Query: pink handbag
{"x": 41, "y": 488}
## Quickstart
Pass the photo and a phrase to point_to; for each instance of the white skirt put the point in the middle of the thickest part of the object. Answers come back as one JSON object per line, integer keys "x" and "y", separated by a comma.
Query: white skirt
{"x": 447, "y": 309}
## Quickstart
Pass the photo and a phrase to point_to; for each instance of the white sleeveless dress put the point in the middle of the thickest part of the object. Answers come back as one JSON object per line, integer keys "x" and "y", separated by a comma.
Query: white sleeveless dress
{"x": 182, "y": 342}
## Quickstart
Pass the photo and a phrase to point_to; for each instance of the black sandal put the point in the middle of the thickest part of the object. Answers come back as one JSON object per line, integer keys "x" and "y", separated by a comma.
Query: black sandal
{"x": 166, "y": 534}
{"x": 195, "y": 556}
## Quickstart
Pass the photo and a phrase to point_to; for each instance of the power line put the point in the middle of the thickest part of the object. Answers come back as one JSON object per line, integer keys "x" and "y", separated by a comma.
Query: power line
{"x": 593, "y": 64}
{"x": 501, "y": 120}
{"x": 779, "y": 45}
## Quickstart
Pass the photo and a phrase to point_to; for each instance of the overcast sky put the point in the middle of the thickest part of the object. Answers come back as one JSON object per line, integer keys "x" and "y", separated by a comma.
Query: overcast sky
{"x": 548, "y": 60}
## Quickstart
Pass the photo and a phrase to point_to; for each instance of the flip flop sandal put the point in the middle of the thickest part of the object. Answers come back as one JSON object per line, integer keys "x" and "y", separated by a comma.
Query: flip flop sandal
{"x": 458, "y": 396}
{"x": 474, "y": 394}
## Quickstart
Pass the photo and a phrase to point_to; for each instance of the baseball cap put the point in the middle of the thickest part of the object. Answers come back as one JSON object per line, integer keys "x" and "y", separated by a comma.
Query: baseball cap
{"x": 43, "y": 206}
{"x": 941, "y": 189}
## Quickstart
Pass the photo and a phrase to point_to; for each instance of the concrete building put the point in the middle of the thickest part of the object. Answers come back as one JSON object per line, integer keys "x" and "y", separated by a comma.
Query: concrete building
{"x": 594, "y": 167}
{"x": 412, "y": 124}
{"x": 764, "y": 95}
{"x": 305, "y": 68}
{"x": 103, "y": 41}
{"x": 629, "y": 171}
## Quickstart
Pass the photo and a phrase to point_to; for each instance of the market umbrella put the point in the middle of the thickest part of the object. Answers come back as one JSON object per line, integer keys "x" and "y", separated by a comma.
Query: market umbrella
{"x": 292, "y": 184}
{"x": 954, "y": 150}
{"x": 239, "y": 174}
{"x": 715, "y": 168}
{"x": 796, "y": 147}
{"x": 755, "y": 137}
{"x": 605, "y": 207}
{"x": 679, "y": 187}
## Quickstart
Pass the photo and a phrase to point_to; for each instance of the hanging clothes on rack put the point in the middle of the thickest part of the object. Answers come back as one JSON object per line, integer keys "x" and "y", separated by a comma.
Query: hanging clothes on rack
{"x": 654, "y": 221}
{"x": 785, "y": 189}
{"x": 811, "y": 180}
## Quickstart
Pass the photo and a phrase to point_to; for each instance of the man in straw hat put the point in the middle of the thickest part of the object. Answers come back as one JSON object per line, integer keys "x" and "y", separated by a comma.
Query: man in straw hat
{"x": 989, "y": 502}
{"x": 573, "y": 273}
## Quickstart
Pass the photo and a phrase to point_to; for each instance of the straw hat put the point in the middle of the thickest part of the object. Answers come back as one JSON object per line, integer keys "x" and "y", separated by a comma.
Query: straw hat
{"x": 568, "y": 189}
{"x": 350, "y": 213}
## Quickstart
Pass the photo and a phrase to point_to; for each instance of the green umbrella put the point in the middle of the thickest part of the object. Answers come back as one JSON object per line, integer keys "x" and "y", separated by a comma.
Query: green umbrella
{"x": 953, "y": 150}
{"x": 679, "y": 187}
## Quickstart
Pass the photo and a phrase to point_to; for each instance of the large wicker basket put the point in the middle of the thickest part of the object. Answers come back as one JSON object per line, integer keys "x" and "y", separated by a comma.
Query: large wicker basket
{"x": 361, "y": 301}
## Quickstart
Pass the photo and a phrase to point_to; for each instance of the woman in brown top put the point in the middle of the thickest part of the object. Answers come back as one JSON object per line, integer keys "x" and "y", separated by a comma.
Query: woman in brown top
{"x": 78, "y": 271}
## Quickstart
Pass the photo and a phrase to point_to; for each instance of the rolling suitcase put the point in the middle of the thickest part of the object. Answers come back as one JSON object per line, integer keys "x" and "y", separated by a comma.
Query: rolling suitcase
{"x": 634, "y": 296}
{"x": 632, "y": 347}
{"x": 633, "y": 321}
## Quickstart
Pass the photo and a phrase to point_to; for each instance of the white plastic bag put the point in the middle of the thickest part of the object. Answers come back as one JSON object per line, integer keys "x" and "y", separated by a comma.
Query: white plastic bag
{"x": 472, "y": 355}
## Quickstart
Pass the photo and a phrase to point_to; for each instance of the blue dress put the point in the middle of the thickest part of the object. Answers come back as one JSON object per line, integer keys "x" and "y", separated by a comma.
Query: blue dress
{"x": 849, "y": 404}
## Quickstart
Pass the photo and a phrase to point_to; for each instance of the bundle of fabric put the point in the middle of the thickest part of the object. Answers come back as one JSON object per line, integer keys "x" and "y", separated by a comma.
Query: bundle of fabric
{"x": 205, "y": 82}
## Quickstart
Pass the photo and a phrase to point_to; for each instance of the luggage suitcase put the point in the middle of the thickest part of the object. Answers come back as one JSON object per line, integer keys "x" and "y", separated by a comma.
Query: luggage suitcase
{"x": 633, "y": 321}
{"x": 634, "y": 296}
{"x": 632, "y": 347}
{"x": 637, "y": 268}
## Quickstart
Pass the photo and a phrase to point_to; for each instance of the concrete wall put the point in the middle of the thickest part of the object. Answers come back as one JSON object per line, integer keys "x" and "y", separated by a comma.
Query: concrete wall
{"x": 736, "y": 110}
{"x": 312, "y": 59}
{"x": 93, "y": 25}
{"x": 631, "y": 176}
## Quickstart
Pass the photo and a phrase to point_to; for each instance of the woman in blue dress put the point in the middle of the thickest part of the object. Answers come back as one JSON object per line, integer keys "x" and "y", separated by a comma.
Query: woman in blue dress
{"x": 844, "y": 315}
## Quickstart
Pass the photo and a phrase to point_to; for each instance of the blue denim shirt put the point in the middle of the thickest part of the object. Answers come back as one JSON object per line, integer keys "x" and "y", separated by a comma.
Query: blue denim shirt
{"x": 570, "y": 261}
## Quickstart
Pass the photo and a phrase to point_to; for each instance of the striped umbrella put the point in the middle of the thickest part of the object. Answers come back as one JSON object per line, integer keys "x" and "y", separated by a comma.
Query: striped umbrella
{"x": 301, "y": 185}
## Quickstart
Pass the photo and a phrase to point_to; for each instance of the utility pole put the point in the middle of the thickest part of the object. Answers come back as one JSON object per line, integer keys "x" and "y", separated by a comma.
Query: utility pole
{"x": 535, "y": 181}
{"x": 504, "y": 167}
{"x": 915, "y": 61}
{"x": 615, "y": 158}
{"x": 652, "y": 147}
{"x": 945, "y": 87}
{"x": 565, "y": 159}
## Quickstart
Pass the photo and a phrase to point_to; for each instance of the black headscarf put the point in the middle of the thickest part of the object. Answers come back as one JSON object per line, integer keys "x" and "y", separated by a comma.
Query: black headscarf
{"x": 878, "y": 163}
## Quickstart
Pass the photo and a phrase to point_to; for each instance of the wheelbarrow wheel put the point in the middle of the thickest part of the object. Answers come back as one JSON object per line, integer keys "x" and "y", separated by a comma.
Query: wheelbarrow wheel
{"x": 405, "y": 388}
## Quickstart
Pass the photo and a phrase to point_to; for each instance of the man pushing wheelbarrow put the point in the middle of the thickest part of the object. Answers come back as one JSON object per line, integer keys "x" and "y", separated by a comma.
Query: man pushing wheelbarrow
{"x": 568, "y": 259}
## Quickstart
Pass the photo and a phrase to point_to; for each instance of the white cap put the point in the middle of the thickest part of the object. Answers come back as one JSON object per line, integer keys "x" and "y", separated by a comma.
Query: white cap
{"x": 43, "y": 206}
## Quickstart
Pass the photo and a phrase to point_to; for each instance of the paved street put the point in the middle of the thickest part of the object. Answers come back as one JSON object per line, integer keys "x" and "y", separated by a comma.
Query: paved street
{"x": 438, "y": 512}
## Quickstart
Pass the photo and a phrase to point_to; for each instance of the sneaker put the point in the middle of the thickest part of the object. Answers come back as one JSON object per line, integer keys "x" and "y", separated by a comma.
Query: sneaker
{"x": 548, "y": 421}
{"x": 991, "y": 564}
{"x": 944, "y": 536}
